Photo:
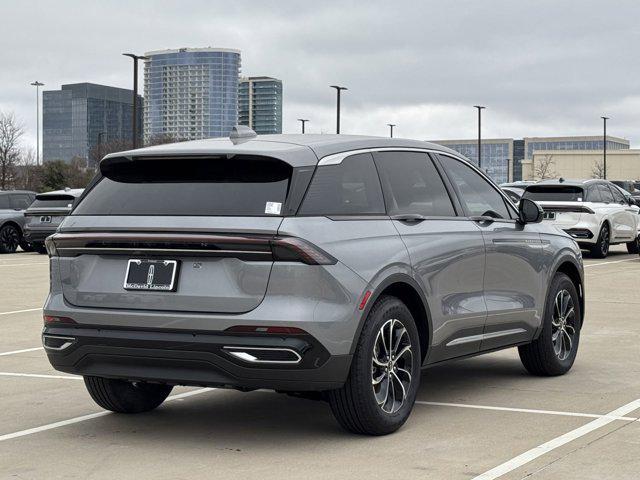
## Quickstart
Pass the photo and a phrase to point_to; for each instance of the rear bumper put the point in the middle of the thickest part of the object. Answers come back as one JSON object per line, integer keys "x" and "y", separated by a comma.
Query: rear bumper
{"x": 38, "y": 235}
{"x": 196, "y": 359}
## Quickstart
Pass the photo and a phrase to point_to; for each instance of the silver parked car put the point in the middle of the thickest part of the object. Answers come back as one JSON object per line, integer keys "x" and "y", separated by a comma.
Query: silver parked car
{"x": 303, "y": 264}
{"x": 13, "y": 203}
{"x": 46, "y": 213}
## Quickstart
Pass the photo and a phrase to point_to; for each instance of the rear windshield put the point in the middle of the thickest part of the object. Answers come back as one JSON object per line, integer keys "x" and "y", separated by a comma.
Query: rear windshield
{"x": 53, "y": 201}
{"x": 242, "y": 186}
{"x": 555, "y": 193}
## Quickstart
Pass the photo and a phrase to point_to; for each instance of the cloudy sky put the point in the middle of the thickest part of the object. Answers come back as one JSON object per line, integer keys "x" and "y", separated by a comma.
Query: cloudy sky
{"x": 545, "y": 67}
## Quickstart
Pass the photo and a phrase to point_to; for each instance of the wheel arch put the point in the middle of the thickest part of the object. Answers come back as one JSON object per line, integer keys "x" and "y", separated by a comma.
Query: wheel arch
{"x": 406, "y": 289}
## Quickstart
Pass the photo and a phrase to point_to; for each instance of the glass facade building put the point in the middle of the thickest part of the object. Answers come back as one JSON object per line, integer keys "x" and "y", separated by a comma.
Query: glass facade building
{"x": 260, "y": 104}
{"x": 191, "y": 93}
{"x": 502, "y": 158}
{"x": 497, "y": 155}
{"x": 79, "y": 116}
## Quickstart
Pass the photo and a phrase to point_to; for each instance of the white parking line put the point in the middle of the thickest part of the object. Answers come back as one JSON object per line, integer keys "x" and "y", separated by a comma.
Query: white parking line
{"x": 21, "y": 311}
{"x": 526, "y": 410}
{"x": 637, "y": 259}
{"x": 37, "y": 375}
{"x": 83, "y": 418}
{"x": 14, "y": 352}
{"x": 557, "y": 442}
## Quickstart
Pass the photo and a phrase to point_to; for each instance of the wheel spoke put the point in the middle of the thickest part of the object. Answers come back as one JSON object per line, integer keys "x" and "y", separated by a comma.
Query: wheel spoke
{"x": 401, "y": 333}
{"x": 403, "y": 352}
{"x": 568, "y": 344}
{"x": 570, "y": 330}
{"x": 404, "y": 392}
{"x": 570, "y": 313}
{"x": 376, "y": 381}
{"x": 404, "y": 372}
{"x": 384, "y": 390}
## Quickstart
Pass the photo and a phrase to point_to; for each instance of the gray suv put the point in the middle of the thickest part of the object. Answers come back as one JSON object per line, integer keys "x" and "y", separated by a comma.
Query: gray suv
{"x": 13, "y": 203}
{"x": 332, "y": 267}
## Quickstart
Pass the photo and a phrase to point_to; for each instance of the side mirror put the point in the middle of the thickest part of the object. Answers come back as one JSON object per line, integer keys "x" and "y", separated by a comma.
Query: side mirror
{"x": 530, "y": 211}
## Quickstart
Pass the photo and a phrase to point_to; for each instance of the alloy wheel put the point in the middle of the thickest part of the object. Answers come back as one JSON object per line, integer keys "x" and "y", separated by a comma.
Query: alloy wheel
{"x": 563, "y": 325}
{"x": 392, "y": 366}
{"x": 604, "y": 242}
{"x": 9, "y": 238}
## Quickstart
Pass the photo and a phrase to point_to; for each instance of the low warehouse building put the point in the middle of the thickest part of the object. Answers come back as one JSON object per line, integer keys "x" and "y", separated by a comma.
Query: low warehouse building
{"x": 579, "y": 164}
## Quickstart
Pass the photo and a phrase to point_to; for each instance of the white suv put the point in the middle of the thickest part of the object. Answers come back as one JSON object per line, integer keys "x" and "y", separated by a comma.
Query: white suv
{"x": 593, "y": 212}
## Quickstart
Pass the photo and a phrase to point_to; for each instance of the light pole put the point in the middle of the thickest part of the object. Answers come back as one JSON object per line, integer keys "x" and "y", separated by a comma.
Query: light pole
{"x": 134, "y": 120}
{"x": 37, "y": 84}
{"x": 480, "y": 108}
{"x": 303, "y": 121}
{"x": 604, "y": 146}
{"x": 391, "y": 125}
{"x": 338, "y": 90}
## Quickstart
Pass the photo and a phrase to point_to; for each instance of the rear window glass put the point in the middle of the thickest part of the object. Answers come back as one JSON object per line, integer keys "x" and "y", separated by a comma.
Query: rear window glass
{"x": 350, "y": 188}
{"x": 53, "y": 201}
{"x": 554, "y": 193}
{"x": 236, "y": 186}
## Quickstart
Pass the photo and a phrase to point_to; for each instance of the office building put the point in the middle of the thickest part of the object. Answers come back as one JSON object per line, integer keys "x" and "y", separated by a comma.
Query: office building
{"x": 79, "y": 116}
{"x": 622, "y": 164}
{"x": 191, "y": 93}
{"x": 260, "y": 104}
{"x": 502, "y": 158}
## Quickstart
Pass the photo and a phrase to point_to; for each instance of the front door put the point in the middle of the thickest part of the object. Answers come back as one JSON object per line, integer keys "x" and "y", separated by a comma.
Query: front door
{"x": 514, "y": 262}
{"x": 446, "y": 251}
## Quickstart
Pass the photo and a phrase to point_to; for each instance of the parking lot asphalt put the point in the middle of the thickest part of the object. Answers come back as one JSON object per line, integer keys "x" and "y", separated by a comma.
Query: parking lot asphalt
{"x": 481, "y": 418}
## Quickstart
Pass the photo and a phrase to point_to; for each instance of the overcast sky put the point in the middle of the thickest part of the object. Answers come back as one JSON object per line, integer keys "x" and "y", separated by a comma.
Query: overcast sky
{"x": 541, "y": 67}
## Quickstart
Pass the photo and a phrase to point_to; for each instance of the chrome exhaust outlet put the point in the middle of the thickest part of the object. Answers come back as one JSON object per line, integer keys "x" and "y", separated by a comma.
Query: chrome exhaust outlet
{"x": 269, "y": 355}
{"x": 56, "y": 343}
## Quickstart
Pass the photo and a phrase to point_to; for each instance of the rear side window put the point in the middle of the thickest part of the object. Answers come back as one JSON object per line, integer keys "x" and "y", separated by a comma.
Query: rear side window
{"x": 617, "y": 196}
{"x": 350, "y": 188}
{"x": 413, "y": 185}
{"x": 4, "y": 202}
{"x": 605, "y": 193}
{"x": 593, "y": 195}
{"x": 20, "y": 201}
{"x": 554, "y": 193}
{"x": 478, "y": 196}
{"x": 236, "y": 186}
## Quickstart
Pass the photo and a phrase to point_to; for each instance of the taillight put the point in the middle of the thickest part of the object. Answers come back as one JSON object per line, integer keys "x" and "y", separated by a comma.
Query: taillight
{"x": 53, "y": 319}
{"x": 269, "y": 330}
{"x": 50, "y": 246}
{"x": 292, "y": 249}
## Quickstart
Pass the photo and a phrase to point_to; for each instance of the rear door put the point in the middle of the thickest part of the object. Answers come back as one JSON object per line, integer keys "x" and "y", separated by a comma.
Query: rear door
{"x": 446, "y": 250}
{"x": 208, "y": 222}
{"x": 513, "y": 289}
{"x": 625, "y": 216}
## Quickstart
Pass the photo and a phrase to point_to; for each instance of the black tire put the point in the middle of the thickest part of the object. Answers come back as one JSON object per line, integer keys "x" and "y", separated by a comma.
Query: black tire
{"x": 40, "y": 248}
{"x": 601, "y": 248}
{"x": 26, "y": 246}
{"x": 355, "y": 405}
{"x": 541, "y": 357}
{"x": 121, "y": 396}
{"x": 634, "y": 247}
{"x": 9, "y": 238}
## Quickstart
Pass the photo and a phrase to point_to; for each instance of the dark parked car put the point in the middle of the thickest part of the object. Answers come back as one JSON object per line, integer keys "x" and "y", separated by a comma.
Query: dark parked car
{"x": 45, "y": 214}
{"x": 13, "y": 203}
{"x": 303, "y": 263}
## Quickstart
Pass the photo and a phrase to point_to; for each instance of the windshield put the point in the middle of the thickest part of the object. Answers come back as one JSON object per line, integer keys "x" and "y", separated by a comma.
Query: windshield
{"x": 247, "y": 186}
{"x": 554, "y": 193}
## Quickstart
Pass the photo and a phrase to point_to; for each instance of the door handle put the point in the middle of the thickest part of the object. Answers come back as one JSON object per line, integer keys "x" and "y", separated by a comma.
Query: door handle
{"x": 409, "y": 217}
{"x": 482, "y": 219}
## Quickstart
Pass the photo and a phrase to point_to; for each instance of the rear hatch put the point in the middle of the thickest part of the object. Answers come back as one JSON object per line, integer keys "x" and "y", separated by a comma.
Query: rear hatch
{"x": 562, "y": 204}
{"x": 48, "y": 210}
{"x": 190, "y": 235}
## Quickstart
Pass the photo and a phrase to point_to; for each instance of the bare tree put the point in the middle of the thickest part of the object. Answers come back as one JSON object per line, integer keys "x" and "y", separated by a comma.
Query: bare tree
{"x": 545, "y": 168}
{"x": 598, "y": 169}
{"x": 28, "y": 175}
{"x": 10, "y": 133}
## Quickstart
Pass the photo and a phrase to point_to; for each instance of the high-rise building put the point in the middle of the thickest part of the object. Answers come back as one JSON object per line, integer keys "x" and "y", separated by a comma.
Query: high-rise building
{"x": 502, "y": 158}
{"x": 79, "y": 116}
{"x": 191, "y": 93}
{"x": 260, "y": 104}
